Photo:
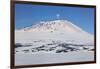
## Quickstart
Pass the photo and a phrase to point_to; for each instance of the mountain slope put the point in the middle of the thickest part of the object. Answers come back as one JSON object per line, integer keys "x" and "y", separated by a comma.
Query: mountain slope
{"x": 56, "y": 25}
{"x": 54, "y": 30}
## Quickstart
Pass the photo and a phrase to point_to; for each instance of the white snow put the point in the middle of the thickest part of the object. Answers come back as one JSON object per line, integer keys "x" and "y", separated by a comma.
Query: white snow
{"x": 55, "y": 41}
{"x": 49, "y": 58}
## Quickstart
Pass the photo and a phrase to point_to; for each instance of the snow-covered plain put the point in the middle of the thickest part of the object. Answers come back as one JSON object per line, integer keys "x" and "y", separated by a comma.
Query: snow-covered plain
{"x": 55, "y": 41}
{"x": 49, "y": 58}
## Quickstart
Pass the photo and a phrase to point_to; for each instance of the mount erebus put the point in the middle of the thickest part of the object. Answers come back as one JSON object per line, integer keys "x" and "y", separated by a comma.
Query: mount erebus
{"x": 52, "y": 36}
{"x": 57, "y": 40}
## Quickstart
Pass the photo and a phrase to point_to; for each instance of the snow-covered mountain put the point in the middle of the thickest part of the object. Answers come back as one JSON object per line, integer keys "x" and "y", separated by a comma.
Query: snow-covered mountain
{"x": 59, "y": 40}
{"x": 56, "y": 25}
{"x": 56, "y": 34}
